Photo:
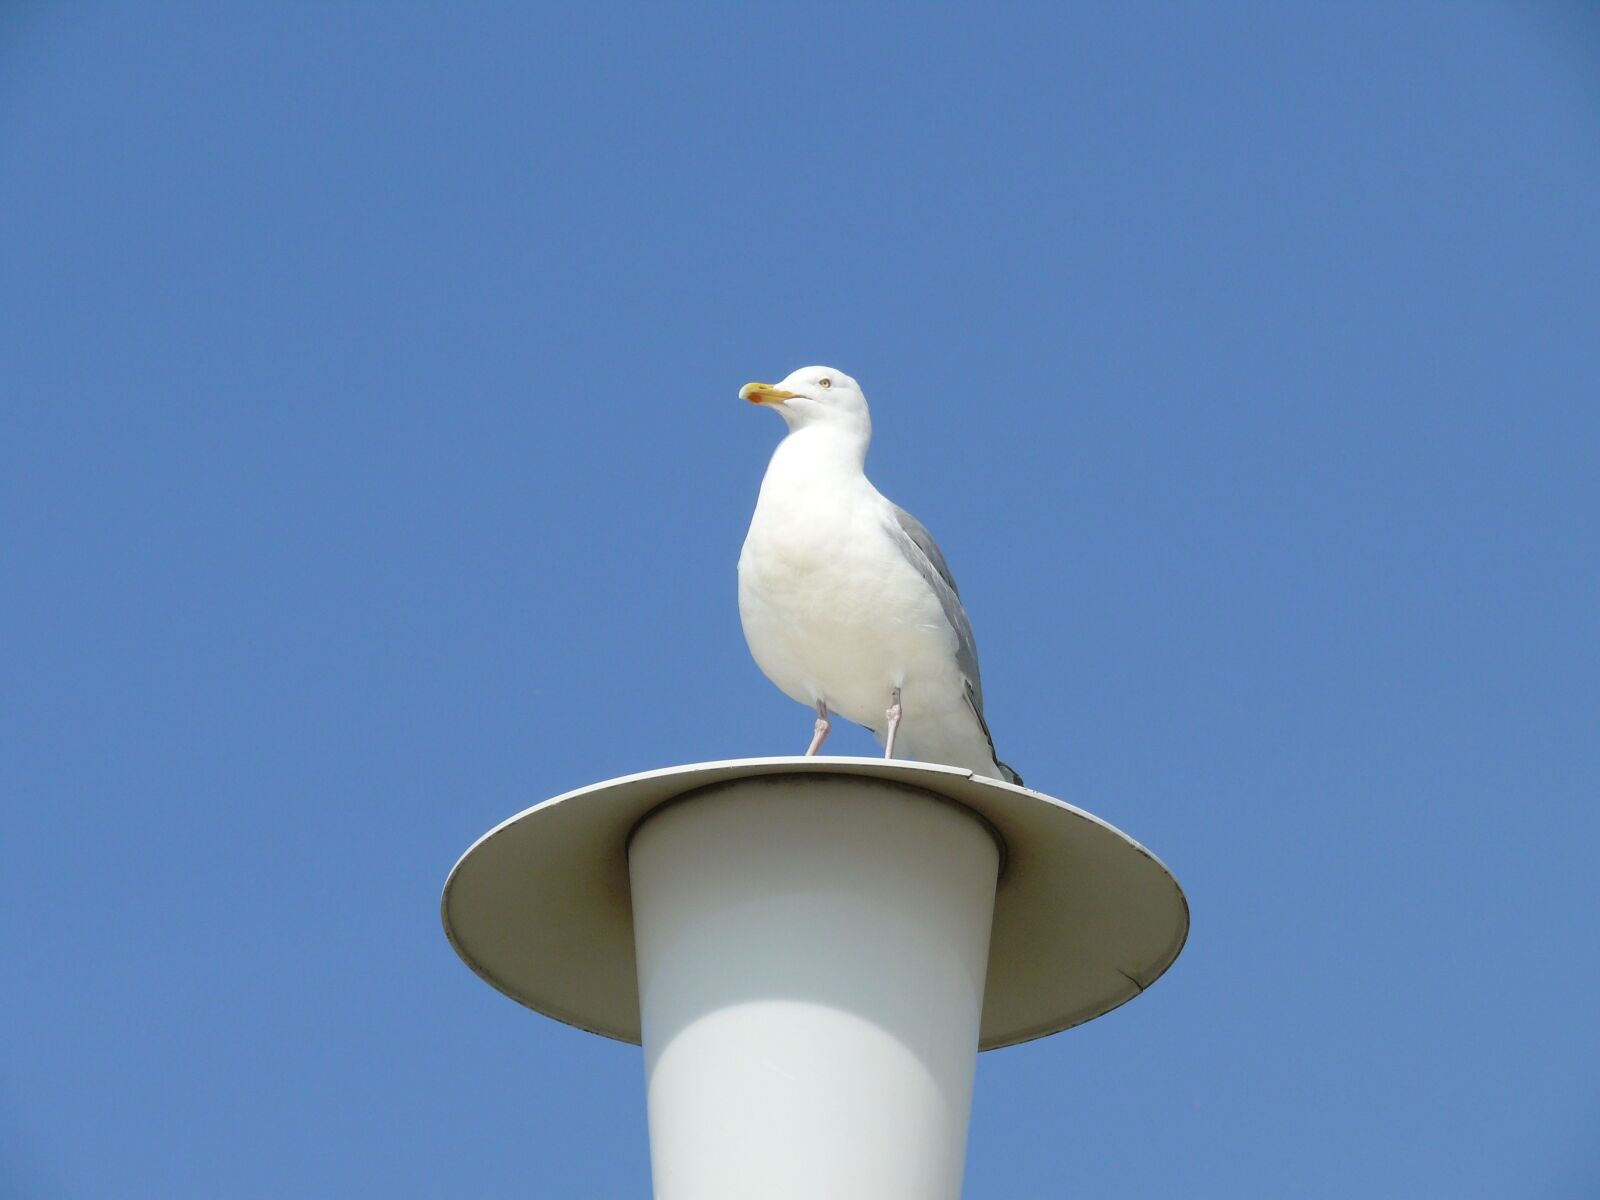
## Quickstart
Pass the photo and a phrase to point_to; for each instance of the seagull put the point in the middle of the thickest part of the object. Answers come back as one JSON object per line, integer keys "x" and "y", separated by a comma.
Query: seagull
{"x": 847, "y": 603}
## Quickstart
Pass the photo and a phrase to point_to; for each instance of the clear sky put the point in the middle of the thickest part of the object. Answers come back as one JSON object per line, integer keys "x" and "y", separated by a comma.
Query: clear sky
{"x": 372, "y": 469}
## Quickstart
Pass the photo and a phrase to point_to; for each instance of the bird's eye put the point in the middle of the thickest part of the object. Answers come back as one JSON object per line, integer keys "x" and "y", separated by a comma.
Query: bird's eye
{"x": 825, "y": 382}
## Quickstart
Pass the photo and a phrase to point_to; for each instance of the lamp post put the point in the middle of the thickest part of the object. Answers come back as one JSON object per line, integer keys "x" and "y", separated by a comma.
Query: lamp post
{"x": 812, "y": 951}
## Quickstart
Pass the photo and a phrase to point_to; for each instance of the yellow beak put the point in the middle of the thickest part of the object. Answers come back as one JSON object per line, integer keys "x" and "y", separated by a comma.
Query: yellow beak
{"x": 765, "y": 393}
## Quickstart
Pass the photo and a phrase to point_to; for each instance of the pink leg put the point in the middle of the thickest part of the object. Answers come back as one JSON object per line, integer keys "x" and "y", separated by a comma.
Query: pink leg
{"x": 894, "y": 725}
{"x": 822, "y": 727}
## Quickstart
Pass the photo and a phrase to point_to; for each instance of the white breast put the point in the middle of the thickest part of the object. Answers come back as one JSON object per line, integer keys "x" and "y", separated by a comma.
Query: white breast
{"x": 831, "y": 608}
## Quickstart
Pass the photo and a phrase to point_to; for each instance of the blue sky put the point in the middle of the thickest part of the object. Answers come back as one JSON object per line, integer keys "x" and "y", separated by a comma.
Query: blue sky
{"x": 372, "y": 469}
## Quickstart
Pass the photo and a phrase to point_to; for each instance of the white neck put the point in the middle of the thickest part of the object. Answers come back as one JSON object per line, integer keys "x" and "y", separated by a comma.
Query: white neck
{"x": 821, "y": 447}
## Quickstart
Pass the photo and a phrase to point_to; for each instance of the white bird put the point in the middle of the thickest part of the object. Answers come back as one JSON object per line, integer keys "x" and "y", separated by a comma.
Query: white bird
{"x": 846, "y": 601}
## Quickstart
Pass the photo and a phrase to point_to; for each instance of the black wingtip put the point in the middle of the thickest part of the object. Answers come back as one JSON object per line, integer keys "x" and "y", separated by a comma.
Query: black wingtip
{"x": 977, "y": 711}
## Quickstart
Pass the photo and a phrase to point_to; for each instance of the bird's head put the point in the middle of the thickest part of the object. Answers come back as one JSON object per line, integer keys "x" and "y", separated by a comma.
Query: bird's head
{"x": 815, "y": 396}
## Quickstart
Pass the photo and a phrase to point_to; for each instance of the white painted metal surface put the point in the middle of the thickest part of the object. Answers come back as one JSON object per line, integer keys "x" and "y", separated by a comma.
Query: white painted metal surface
{"x": 1085, "y": 918}
{"x": 811, "y": 960}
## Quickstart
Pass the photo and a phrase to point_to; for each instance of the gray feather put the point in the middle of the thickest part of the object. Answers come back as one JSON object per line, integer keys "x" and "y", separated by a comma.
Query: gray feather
{"x": 917, "y": 544}
{"x": 922, "y": 552}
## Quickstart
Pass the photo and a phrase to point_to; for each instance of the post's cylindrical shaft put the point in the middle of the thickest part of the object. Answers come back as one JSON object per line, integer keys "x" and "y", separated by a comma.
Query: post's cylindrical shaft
{"x": 811, "y": 956}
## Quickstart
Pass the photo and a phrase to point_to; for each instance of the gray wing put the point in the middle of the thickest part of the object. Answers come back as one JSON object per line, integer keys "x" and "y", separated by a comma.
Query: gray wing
{"x": 917, "y": 544}
{"x": 922, "y": 552}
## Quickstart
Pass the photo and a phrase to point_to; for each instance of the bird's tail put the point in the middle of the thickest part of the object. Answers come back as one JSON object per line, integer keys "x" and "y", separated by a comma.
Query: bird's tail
{"x": 976, "y": 706}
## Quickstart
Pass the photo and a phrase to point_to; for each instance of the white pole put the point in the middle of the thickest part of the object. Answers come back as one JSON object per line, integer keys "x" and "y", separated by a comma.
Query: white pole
{"x": 811, "y": 956}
